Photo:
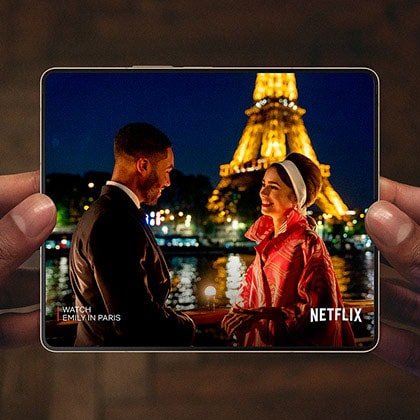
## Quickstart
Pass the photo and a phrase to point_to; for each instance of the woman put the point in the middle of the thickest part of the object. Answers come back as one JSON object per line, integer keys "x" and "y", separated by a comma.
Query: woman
{"x": 292, "y": 271}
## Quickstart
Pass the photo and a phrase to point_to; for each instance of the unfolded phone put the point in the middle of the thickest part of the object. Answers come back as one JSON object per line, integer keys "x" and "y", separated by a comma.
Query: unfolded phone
{"x": 219, "y": 246}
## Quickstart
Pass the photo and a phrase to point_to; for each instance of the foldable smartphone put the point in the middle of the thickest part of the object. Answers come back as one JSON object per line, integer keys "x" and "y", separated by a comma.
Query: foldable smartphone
{"x": 227, "y": 126}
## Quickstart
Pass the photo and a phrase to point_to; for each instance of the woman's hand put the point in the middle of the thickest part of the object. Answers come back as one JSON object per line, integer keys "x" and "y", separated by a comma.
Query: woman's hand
{"x": 239, "y": 319}
{"x": 234, "y": 322}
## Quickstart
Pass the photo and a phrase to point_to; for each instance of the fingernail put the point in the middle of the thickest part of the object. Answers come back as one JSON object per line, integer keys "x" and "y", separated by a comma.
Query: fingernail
{"x": 392, "y": 225}
{"x": 33, "y": 215}
{"x": 384, "y": 183}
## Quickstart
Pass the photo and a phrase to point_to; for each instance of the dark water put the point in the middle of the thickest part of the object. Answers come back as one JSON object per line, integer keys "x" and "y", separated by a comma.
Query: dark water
{"x": 192, "y": 274}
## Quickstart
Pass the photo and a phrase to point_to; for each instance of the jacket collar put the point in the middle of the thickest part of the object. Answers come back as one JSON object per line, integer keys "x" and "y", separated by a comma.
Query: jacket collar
{"x": 127, "y": 190}
{"x": 264, "y": 226}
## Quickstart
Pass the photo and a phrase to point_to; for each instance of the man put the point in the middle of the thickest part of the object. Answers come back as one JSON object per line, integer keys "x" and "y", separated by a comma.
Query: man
{"x": 118, "y": 273}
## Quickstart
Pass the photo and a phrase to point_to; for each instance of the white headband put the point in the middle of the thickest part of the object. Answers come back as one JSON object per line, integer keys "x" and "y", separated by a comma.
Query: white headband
{"x": 298, "y": 183}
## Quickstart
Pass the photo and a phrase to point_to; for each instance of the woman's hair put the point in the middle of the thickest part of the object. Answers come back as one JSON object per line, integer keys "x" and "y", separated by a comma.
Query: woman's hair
{"x": 141, "y": 139}
{"x": 310, "y": 172}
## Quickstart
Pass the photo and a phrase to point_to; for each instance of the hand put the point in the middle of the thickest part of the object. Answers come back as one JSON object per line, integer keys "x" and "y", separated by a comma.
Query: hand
{"x": 234, "y": 322}
{"x": 393, "y": 225}
{"x": 26, "y": 220}
{"x": 241, "y": 319}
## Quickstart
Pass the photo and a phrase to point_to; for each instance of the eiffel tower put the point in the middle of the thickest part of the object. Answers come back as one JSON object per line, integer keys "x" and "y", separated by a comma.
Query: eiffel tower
{"x": 275, "y": 128}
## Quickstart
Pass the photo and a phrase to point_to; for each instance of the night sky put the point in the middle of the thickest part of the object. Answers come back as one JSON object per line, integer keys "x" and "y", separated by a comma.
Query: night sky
{"x": 203, "y": 115}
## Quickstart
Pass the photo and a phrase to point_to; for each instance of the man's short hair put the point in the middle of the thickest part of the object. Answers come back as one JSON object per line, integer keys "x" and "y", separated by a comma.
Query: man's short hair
{"x": 141, "y": 140}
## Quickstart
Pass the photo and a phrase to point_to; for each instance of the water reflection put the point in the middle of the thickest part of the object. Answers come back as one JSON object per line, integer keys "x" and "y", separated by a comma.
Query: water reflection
{"x": 355, "y": 275}
{"x": 184, "y": 279}
{"x": 236, "y": 267}
{"x": 190, "y": 276}
{"x": 58, "y": 289}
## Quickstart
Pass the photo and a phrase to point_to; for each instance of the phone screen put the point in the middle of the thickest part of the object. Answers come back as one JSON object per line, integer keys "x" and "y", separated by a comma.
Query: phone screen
{"x": 232, "y": 249}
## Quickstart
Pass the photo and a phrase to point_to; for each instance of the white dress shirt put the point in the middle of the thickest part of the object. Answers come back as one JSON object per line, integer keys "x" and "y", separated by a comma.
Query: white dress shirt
{"x": 127, "y": 190}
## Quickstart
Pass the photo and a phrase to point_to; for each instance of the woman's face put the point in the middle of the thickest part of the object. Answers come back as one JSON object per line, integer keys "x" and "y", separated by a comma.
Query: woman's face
{"x": 277, "y": 199}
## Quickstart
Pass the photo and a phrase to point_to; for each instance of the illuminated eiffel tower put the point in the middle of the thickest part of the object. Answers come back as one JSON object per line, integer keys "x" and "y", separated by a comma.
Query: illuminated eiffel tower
{"x": 275, "y": 128}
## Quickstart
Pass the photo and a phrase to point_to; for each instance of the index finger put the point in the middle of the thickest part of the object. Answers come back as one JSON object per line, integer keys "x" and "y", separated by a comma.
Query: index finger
{"x": 405, "y": 197}
{"x": 15, "y": 188}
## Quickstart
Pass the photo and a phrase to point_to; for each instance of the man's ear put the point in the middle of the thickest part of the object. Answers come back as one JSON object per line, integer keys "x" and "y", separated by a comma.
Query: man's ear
{"x": 143, "y": 165}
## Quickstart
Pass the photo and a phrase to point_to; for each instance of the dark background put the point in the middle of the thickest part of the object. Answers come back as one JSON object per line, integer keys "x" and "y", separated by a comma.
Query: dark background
{"x": 383, "y": 35}
{"x": 203, "y": 113}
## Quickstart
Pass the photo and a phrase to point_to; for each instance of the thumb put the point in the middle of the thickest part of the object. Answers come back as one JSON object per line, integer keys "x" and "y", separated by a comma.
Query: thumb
{"x": 397, "y": 236}
{"x": 23, "y": 230}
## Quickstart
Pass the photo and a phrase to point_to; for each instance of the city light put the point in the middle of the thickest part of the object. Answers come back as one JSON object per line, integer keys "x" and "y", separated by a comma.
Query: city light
{"x": 210, "y": 291}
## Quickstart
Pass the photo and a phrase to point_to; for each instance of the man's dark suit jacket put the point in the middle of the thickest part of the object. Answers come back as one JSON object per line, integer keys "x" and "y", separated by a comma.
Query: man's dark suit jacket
{"x": 118, "y": 272}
